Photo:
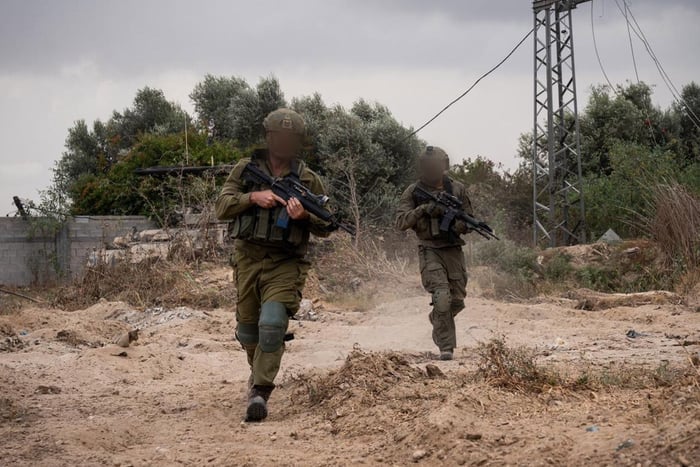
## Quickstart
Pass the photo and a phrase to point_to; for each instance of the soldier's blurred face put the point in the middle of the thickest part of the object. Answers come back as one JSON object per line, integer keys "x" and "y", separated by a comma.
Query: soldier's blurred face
{"x": 431, "y": 171}
{"x": 283, "y": 145}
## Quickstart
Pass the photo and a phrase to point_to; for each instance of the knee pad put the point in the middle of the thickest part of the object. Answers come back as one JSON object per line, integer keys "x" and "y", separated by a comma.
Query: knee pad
{"x": 247, "y": 334}
{"x": 272, "y": 326}
{"x": 441, "y": 301}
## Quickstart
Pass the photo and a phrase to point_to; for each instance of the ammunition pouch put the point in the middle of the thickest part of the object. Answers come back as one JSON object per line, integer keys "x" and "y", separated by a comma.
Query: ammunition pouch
{"x": 260, "y": 224}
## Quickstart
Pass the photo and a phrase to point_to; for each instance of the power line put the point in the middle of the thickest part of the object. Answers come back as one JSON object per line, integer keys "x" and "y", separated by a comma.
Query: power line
{"x": 636, "y": 71}
{"x": 471, "y": 87}
{"x": 664, "y": 76}
{"x": 629, "y": 36}
{"x": 595, "y": 47}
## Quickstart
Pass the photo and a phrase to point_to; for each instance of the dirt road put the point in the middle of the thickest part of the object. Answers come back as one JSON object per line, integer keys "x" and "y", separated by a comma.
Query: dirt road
{"x": 176, "y": 396}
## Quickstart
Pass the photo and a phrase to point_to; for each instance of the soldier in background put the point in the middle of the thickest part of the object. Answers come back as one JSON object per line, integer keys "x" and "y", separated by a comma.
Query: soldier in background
{"x": 269, "y": 261}
{"x": 440, "y": 255}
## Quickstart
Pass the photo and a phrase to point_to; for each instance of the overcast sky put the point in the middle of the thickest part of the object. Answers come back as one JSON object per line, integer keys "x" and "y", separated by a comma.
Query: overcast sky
{"x": 61, "y": 61}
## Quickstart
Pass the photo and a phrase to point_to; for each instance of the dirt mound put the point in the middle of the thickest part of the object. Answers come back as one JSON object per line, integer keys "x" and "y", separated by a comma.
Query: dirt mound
{"x": 387, "y": 404}
{"x": 365, "y": 377}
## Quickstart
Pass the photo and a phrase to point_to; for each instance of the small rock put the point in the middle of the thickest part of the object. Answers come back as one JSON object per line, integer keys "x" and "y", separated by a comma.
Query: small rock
{"x": 355, "y": 284}
{"x": 126, "y": 338}
{"x": 625, "y": 444}
{"x": 419, "y": 454}
{"x": 473, "y": 436}
{"x": 273, "y": 438}
{"x": 306, "y": 311}
{"x": 433, "y": 371}
{"x": 592, "y": 429}
{"x": 47, "y": 390}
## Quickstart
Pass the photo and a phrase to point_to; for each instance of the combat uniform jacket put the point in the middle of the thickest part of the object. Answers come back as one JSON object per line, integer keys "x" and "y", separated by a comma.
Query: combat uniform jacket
{"x": 428, "y": 228}
{"x": 253, "y": 227}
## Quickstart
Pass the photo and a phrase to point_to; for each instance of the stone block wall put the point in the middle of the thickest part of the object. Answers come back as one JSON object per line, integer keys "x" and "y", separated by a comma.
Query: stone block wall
{"x": 31, "y": 253}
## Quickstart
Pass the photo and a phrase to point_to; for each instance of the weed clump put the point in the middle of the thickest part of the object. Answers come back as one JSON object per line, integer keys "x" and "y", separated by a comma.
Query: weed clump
{"x": 517, "y": 369}
{"x": 514, "y": 368}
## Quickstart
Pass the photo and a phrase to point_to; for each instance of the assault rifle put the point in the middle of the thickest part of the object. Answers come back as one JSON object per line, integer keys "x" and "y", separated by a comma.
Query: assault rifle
{"x": 291, "y": 187}
{"x": 453, "y": 212}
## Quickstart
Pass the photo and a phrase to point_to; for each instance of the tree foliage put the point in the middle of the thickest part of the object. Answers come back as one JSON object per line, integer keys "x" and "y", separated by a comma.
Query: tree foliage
{"x": 366, "y": 157}
{"x": 363, "y": 150}
{"x": 628, "y": 146}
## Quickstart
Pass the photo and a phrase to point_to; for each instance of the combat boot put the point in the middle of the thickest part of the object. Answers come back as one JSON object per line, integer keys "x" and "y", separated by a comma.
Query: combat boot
{"x": 257, "y": 403}
{"x": 446, "y": 355}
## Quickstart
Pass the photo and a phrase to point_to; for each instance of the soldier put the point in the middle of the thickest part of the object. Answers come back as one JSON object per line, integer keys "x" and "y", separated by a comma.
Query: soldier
{"x": 270, "y": 268}
{"x": 440, "y": 255}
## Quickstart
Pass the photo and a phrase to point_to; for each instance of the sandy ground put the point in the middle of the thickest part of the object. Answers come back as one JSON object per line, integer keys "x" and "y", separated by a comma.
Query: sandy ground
{"x": 177, "y": 395}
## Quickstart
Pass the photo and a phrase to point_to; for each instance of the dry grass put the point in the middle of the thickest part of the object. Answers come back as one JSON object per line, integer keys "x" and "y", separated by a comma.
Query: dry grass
{"x": 675, "y": 224}
{"x": 366, "y": 377}
{"x": 152, "y": 282}
{"x": 518, "y": 369}
{"x": 514, "y": 368}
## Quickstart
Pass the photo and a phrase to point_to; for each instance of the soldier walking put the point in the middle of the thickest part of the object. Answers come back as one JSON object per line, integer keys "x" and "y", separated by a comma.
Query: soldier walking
{"x": 269, "y": 261}
{"x": 442, "y": 267}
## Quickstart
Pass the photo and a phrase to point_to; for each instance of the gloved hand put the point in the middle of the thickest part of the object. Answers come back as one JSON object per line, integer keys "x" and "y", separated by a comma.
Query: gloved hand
{"x": 461, "y": 227}
{"x": 434, "y": 209}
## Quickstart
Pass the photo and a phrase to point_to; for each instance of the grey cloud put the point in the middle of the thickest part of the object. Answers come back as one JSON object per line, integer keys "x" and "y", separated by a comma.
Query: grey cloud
{"x": 127, "y": 36}
{"x": 140, "y": 37}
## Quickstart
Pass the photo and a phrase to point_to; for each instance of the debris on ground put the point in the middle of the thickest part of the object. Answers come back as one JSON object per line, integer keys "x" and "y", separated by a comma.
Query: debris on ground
{"x": 590, "y": 300}
{"x": 433, "y": 371}
{"x": 307, "y": 311}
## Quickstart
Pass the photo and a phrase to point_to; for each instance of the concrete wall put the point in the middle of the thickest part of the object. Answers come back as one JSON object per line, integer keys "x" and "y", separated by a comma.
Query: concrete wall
{"x": 33, "y": 253}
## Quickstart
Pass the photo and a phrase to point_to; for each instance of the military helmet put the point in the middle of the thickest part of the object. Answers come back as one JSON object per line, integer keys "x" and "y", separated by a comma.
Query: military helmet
{"x": 285, "y": 120}
{"x": 433, "y": 154}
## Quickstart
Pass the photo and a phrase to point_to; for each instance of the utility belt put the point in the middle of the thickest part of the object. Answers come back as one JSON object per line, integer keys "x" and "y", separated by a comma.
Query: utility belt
{"x": 260, "y": 224}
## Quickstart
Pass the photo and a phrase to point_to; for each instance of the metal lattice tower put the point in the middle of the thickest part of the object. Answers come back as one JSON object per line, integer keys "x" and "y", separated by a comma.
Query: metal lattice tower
{"x": 556, "y": 148}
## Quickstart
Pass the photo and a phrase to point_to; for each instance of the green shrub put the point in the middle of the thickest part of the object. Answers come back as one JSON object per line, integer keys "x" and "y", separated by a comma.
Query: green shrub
{"x": 558, "y": 268}
{"x": 596, "y": 278}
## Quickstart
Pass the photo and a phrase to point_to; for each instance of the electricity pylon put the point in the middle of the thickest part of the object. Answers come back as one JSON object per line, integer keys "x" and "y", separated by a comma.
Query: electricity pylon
{"x": 558, "y": 206}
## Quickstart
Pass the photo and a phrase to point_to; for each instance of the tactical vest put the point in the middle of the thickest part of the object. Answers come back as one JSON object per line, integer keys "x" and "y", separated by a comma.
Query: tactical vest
{"x": 428, "y": 228}
{"x": 260, "y": 225}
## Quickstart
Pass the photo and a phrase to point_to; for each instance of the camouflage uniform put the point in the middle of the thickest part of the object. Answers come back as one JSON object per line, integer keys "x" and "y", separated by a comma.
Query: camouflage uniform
{"x": 270, "y": 265}
{"x": 442, "y": 266}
